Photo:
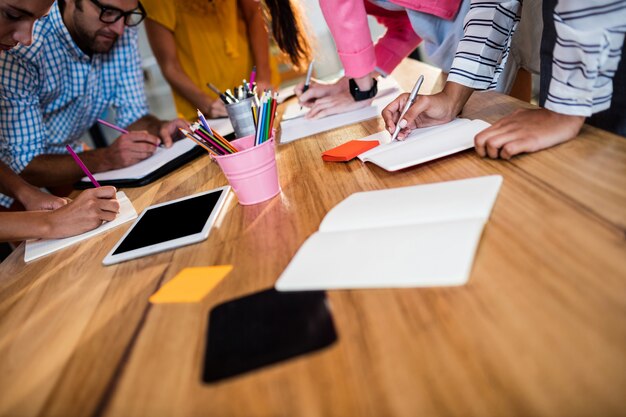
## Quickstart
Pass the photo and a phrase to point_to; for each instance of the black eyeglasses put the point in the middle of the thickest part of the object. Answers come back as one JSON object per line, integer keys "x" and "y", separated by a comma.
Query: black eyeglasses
{"x": 111, "y": 15}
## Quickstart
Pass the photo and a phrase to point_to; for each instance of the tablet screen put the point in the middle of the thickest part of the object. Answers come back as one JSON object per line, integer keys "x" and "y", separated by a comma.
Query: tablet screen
{"x": 169, "y": 222}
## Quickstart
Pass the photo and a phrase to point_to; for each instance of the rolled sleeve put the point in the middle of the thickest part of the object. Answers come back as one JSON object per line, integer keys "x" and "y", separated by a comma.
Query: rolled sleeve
{"x": 22, "y": 133}
{"x": 482, "y": 53}
{"x": 586, "y": 56}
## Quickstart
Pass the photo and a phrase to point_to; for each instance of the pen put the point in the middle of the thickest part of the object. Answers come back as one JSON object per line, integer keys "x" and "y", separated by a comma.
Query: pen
{"x": 112, "y": 126}
{"x": 82, "y": 166}
{"x": 216, "y": 90}
{"x": 408, "y": 104}
{"x": 307, "y": 82}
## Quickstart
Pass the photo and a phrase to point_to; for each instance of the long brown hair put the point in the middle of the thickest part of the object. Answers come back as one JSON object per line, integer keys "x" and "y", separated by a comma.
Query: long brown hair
{"x": 289, "y": 31}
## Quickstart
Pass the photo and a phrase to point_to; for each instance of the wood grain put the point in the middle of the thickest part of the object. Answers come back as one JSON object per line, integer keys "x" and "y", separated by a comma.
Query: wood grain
{"x": 539, "y": 330}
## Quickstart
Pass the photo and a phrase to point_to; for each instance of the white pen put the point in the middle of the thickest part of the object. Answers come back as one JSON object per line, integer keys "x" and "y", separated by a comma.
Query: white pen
{"x": 409, "y": 103}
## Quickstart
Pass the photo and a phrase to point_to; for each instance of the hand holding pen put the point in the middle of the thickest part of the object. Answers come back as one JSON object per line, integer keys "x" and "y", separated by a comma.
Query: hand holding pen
{"x": 307, "y": 81}
{"x": 401, "y": 123}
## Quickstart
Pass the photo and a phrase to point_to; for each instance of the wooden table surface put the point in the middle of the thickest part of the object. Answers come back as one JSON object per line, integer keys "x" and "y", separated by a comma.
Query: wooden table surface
{"x": 540, "y": 329}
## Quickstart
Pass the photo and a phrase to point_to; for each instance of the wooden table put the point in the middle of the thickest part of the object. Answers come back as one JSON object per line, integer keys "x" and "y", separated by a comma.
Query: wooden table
{"x": 539, "y": 330}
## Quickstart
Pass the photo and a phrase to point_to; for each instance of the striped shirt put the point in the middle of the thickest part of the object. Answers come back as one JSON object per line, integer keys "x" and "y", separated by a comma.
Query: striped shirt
{"x": 590, "y": 35}
{"x": 51, "y": 92}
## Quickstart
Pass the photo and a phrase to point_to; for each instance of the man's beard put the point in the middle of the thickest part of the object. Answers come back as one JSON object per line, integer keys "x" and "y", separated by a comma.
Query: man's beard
{"x": 94, "y": 44}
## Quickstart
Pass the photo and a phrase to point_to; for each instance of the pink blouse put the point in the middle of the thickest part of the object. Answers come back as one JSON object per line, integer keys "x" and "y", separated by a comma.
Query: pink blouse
{"x": 347, "y": 20}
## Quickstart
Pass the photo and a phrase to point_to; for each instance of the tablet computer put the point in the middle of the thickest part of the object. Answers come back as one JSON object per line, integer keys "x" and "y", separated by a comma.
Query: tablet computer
{"x": 170, "y": 225}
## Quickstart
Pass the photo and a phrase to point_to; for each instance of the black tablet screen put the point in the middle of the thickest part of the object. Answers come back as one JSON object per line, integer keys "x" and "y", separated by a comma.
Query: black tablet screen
{"x": 169, "y": 222}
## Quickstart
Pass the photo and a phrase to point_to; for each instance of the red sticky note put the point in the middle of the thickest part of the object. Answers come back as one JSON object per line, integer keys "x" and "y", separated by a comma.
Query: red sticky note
{"x": 348, "y": 150}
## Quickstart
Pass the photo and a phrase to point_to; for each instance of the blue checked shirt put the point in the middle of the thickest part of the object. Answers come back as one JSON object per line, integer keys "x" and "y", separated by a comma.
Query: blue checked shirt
{"x": 51, "y": 92}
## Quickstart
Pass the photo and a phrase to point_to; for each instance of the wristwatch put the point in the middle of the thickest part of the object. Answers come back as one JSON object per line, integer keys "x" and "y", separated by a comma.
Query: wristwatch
{"x": 359, "y": 95}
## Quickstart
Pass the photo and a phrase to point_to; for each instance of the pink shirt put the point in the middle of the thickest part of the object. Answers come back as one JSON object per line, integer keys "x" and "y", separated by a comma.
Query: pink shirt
{"x": 347, "y": 20}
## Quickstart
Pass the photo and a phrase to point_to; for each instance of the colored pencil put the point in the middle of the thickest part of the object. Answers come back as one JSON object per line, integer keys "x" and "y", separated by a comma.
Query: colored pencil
{"x": 112, "y": 126}
{"x": 82, "y": 166}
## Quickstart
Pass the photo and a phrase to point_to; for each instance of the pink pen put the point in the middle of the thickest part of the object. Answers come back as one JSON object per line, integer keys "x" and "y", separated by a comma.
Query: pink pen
{"x": 112, "y": 126}
{"x": 82, "y": 166}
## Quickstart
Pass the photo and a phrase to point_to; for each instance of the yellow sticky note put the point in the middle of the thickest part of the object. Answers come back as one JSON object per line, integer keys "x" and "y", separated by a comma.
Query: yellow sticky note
{"x": 191, "y": 285}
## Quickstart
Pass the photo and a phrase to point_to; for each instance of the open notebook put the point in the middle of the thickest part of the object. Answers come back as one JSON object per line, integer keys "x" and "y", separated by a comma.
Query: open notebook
{"x": 423, "y": 144}
{"x": 162, "y": 162}
{"x": 294, "y": 126}
{"x": 37, "y": 248}
{"x": 418, "y": 236}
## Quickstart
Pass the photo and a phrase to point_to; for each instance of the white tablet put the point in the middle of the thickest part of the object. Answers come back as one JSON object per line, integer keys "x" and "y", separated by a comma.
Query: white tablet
{"x": 170, "y": 225}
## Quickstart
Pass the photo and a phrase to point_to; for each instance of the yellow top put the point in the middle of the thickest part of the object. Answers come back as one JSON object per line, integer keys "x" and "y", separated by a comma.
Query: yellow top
{"x": 212, "y": 44}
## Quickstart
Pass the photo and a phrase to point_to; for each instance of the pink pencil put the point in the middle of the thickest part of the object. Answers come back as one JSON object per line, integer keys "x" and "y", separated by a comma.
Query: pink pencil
{"x": 112, "y": 126}
{"x": 82, "y": 166}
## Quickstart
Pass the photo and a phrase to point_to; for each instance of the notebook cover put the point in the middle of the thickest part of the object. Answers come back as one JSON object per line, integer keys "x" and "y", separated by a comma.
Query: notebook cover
{"x": 348, "y": 150}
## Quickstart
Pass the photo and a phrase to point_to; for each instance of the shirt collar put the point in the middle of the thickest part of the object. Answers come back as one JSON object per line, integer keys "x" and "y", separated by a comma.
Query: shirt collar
{"x": 56, "y": 19}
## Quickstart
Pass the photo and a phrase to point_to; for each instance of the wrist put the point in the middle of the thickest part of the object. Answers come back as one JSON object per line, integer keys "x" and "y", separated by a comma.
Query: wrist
{"x": 98, "y": 160}
{"x": 457, "y": 95}
{"x": 44, "y": 225}
{"x": 364, "y": 83}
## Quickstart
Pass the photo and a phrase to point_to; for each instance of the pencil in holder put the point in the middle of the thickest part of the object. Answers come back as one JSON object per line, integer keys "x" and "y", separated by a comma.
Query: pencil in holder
{"x": 252, "y": 171}
{"x": 240, "y": 115}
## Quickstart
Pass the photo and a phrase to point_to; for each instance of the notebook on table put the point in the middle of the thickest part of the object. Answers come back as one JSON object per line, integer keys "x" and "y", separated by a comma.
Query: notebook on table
{"x": 161, "y": 163}
{"x": 35, "y": 249}
{"x": 417, "y": 236}
{"x": 422, "y": 145}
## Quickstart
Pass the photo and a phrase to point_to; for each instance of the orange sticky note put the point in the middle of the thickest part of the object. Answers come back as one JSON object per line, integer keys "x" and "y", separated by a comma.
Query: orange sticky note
{"x": 348, "y": 150}
{"x": 191, "y": 285}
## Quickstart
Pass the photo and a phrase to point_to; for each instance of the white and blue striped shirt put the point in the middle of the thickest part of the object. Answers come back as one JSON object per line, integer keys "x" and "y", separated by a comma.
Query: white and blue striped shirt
{"x": 590, "y": 35}
{"x": 52, "y": 92}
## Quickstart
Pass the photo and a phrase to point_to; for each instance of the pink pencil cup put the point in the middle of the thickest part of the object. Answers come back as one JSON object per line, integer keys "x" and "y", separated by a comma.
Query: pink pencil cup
{"x": 252, "y": 171}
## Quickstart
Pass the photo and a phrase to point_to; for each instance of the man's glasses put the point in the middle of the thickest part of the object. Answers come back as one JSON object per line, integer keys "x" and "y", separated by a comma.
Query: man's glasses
{"x": 111, "y": 15}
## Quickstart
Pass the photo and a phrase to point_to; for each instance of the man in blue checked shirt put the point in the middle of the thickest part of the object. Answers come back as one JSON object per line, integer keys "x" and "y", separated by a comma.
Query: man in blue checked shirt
{"x": 84, "y": 60}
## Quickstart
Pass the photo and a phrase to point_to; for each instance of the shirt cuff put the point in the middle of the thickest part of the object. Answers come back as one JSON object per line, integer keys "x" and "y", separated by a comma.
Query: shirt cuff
{"x": 358, "y": 64}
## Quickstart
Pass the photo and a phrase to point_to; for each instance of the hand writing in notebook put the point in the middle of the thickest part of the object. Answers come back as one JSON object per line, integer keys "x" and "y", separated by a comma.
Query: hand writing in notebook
{"x": 327, "y": 99}
{"x": 88, "y": 211}
{"x": 427, "y": 110}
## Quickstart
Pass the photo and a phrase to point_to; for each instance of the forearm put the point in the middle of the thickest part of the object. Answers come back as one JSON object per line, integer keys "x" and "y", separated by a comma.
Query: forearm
{"x": 259, "y": 39}
{"x": 23, "y": 225}
{"x": 12, "y": 184}
{"x": 184, "y": 86}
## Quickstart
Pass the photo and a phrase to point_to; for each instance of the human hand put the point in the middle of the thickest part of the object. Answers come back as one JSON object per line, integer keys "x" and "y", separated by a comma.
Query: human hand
{"x": 131, "y": 148}
{"x": 215, "y": 109}
{"x": 262, "y": 85}
{"x": 319, "y": 89}
{"x": 426, "y": 110}
{"x": 169, "y": 129}
{"x": 34, "y": 199}
{"x": 338, "y": 103}
{"x": 88, "y": 211}
{"x": 526, "y": 130}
